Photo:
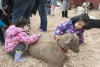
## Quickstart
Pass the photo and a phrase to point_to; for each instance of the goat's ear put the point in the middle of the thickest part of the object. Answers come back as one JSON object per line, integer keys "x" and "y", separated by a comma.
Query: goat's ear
{"x": 76, "y": 36}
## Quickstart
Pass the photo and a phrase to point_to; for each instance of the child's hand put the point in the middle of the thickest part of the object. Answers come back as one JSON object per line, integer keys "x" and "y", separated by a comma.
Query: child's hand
{"x": 82, "y": 44}
{"x": 57, "y": 37}
{"x": 38, "y": 35}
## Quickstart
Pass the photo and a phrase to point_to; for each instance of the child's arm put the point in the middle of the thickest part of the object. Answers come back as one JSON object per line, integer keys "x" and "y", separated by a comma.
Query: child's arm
{"x": 61, "y": 29}
{"x": 25, "y": 38}
{"x": 81, "y": 37}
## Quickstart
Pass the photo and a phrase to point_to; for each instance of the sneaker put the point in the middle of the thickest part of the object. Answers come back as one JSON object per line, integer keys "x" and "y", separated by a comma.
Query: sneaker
{"x": 52, "y": 14}
{"x": 40, "y": 30}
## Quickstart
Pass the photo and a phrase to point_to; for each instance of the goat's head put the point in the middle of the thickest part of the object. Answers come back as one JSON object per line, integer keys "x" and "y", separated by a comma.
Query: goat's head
{"x": 70, "y": 41}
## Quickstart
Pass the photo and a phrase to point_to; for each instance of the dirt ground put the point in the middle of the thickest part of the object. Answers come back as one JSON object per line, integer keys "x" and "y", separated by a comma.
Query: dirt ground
{"x": 89, "y": 55}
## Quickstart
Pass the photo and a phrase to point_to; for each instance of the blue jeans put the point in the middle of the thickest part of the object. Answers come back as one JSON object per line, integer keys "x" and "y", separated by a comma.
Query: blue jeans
{"x": 1, "y": 36}
{"x": 43, "y": 15}
{"x": 22, "y": 8}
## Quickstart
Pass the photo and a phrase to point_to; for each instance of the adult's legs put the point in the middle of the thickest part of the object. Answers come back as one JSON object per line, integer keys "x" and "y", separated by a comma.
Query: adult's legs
{"x": 48, "y": 7}
{"x": 43, "y": 16}
{"x": 53, "y": 5}
{"x": 28, "y": 11}
{"x": 20, "y": 7}
{"x": 62, "y": 13}
{"x": 52, "y": 10}
{"x": 66, "y": 14}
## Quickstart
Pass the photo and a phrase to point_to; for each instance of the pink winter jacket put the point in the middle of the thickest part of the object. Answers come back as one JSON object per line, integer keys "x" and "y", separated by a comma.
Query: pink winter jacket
{"x": 15, "y": 36}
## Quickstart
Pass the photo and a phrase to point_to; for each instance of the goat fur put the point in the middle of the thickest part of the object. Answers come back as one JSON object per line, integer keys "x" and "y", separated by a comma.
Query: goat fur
{"x": 50, "y": 52}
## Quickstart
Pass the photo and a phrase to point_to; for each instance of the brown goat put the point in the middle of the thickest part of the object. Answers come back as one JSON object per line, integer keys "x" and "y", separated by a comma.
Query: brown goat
{"x": 51, "y": 53}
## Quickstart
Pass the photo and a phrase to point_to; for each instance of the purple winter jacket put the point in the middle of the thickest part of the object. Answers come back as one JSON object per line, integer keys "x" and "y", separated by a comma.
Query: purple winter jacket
{"x": 68, "y": 27}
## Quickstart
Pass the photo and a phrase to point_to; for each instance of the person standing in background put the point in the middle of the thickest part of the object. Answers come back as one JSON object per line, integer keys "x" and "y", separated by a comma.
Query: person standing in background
{"x": 53, "y": 5}
{"x": 43, "y": 16}
{"x": 65, "y": 6}
{"x": 1, "y": 32}
{"x": 48, "y": 6}
{"x": 22, "y": 8}
{"x": 40, "y": 5}
{"x": 2, "y": 24}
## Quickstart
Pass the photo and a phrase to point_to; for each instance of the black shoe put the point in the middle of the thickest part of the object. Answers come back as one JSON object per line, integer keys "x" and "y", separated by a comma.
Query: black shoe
{"x": 62, "y": 13}
{"x": 66, "y": 14}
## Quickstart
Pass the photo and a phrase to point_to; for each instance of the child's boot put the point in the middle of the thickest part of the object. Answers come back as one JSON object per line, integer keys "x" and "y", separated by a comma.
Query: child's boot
{"x": 18, "y": 57}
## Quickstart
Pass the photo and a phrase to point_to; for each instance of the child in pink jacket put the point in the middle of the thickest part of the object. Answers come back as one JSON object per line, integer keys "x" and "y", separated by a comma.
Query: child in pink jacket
{"x": 17, "y": 37}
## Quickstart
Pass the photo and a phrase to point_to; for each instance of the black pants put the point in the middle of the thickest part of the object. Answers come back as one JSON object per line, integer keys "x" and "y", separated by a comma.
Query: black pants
{"x": 22, "y": 8}
{"x": 1, "y": 36}
{"x": 20, "y": 47}
{"x": 94, "y": 23}
{"x": 64, "y": 14}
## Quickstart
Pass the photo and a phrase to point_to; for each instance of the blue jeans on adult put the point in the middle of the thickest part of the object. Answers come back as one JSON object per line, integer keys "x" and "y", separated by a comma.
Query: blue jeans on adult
{"x": 22, "y": 8}
{"x": 43, "y": 15}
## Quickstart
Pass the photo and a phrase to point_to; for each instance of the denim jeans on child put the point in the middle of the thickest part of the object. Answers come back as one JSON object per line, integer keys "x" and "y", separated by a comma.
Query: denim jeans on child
{"x": 22, "y": 8}
{"x": 43, "y": 15}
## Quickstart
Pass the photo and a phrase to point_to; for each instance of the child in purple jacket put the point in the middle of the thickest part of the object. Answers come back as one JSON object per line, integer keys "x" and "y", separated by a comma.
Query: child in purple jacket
{"x": 75, "y": 25}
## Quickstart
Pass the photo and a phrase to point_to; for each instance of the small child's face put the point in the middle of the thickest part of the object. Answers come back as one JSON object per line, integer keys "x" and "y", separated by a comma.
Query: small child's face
{"x": 79, "y": 25}
{"x": 26, "y": 27}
